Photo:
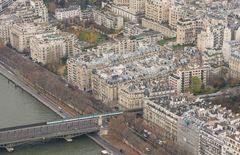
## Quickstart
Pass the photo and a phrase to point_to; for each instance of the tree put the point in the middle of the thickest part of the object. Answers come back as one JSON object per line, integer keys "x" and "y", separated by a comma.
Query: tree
{"x": 61, "y": 3}
{"x": 52, "y": 7}
{"x": 195, "y": 85}
{"x": 217, "y": 81}
{"x": 84, "y": 4}
{"x": 233, "y": 82}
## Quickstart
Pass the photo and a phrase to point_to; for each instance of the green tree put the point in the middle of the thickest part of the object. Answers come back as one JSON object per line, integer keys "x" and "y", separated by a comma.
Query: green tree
{"x": 195, "y": 85}
{"x": 45, "y": 2}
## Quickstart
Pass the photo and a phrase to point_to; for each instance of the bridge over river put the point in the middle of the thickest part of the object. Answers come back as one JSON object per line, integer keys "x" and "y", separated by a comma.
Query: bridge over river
{"x": 66, "y": 128}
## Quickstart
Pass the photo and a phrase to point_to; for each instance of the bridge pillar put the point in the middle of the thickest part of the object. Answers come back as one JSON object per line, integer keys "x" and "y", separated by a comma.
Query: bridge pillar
{"x": 100, "y": 121}
{"x": 103, "y": 131}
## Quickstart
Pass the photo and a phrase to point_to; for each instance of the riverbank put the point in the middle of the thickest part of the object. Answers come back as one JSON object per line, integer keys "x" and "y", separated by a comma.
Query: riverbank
{"x": 43, "y": 99}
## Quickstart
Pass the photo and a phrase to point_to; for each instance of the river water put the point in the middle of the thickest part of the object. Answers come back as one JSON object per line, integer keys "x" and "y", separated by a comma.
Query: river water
{"x": 17, "y": 107}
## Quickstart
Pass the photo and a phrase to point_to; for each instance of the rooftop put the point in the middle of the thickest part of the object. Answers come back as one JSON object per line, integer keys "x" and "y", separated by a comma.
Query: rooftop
{"x": 91, "y": 59}
{"x": 139, "y": 69}
{"x": 148, "y": 85}
{"x": 177, "y": 104}
{"x": 70, "y": 8}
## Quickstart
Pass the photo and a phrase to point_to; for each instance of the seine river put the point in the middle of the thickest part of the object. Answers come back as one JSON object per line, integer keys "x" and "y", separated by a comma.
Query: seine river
{"x": 18, "y": 108}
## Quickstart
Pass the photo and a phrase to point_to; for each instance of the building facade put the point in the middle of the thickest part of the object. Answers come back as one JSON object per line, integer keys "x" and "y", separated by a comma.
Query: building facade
{"x": 234, "y": 64}
{"x": 188, "y": 30}
{"x": 40, "y": 9}
{"x": 228, "y": 48}
{"x": 108, "y": 20}
{"x": 181, "y": 80}
{"x": 66, "y": 13}
{"x": 165, "y": 111}
{"x": 47, "y": 48}
{"x": 157, "y": 11}
{"x": 213, "y": 37}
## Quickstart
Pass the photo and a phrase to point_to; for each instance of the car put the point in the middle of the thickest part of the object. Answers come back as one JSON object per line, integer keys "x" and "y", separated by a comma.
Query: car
{"x": 60, "y": 108}
{"x": 104, "y": 152}
{"x": 145, "y": 135}
{"x": 147, "y": 149}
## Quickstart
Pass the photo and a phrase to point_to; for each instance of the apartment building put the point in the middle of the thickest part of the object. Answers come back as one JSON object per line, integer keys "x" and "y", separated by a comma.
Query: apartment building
{"x": 79, "y": 74}
{"x": 132, "y": 94}
{"x": 66, "y": 13}
{"x": 70, "y": 41}
{"x": 126, "y": 13}
{"x": 232, "y": 144}
{"x": 27, "y": 15}
{"x": 188, "y": 131}
{"x": 208, "y": 129}
{"x": 165, "y": 111}
{"x": 213, "y": 37}
{"x": 181, "y": 80}
{"x": 228, "y": 48}
{"x": 47, "y": 48}
{"x": 86, "y": 15}
{"x": 106, "y": 82}
{"x": 188, "y": 29}
{"x": 234, "y": 64}
{"x": 108, "y": 20}
{"x": 81, "y": 68}
{"x": 137, "y": 6}
{"x": 132, "y": 29}
{"x": 157, "y": 16}
{"x": 213, "y": 58}
{"x": 215, "y": 17}
{"x": 166, "y": 31}
{"x": 237, "y": 34}
{"x": 105, "y": 91}
{"x": 40, "y": 9}
{"x": 20, "y": 34}
{"x": 35, "y": 12}
{"x": 211, "y": 141}
{"x": 6, "y": 23}
{"x": 157, "y": 10}
{"x": 214, "y": 134}
{"x": 32, "y": 11}
{"x": 109, "y": 69}
{"x": 176, "y": 12}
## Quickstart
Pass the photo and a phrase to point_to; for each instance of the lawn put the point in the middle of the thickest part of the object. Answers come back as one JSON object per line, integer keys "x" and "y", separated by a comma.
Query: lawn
{"x": 179, "y": 47}
{"x": 89, "y": 35}
{"x": 166, "y": 40}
